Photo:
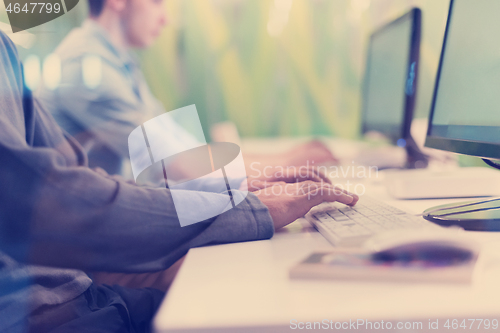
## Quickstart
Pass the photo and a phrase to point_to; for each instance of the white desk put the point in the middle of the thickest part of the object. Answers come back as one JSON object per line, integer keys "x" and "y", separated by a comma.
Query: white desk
{"x": 245, "y": 287}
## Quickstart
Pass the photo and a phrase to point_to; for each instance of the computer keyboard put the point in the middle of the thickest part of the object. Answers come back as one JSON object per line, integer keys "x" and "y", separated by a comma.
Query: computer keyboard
{"x": 351, "y": 226}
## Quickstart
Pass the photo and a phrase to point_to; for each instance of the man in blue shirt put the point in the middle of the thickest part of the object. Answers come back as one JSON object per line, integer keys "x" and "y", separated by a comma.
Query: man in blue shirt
{"x": 59, "y": 218}
{"x": 103, "y": 95}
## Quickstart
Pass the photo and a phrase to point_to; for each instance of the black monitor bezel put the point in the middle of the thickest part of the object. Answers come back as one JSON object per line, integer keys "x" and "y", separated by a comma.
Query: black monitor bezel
{"x": 404, "y": 132}
{"x": 466, "y": 147}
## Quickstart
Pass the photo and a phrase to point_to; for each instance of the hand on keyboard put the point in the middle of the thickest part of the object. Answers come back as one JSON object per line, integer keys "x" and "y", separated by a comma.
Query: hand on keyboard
{"x": 288, "y": 202}
{"x": 352, "y": 225}
{"x": 269, "y": 177}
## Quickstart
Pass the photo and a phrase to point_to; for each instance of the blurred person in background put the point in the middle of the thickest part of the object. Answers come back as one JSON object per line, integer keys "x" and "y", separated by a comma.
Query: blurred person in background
{"x": 60, "y": 219}
{"x": 101, "y": 114}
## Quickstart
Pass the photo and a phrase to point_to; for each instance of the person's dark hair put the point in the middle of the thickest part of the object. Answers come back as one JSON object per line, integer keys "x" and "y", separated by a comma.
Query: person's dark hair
{"x": 95, "y": 7}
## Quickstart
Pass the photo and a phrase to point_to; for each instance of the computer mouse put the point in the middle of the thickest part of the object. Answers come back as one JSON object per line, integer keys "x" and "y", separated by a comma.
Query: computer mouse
{"x": 437, "y": 247}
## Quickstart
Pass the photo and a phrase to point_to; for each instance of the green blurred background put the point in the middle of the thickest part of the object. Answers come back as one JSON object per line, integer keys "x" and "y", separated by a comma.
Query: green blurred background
{"x": 273, "y": 67}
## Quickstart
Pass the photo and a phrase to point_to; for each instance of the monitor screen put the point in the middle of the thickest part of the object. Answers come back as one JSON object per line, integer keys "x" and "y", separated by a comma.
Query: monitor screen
{"x": 388, "y": 69}
{"x": 465, "y": 113}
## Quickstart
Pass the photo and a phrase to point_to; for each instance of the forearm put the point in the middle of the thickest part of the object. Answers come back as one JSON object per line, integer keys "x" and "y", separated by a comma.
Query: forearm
{"x": 76, "y": 218}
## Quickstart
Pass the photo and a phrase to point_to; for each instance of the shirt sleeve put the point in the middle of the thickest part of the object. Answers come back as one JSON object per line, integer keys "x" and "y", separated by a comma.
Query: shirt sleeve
{"x": 55, "y": 211}
{"x": 73, "y": 217}
{"x": 107, "y": 112}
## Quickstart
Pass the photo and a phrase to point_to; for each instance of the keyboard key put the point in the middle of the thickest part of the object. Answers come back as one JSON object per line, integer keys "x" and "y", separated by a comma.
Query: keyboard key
{"x": 379, "y": 219}
{"x": 368, "y": 213}
{"x": 347, "y": 209}
{"x": 363, "y": 220}
{"x": 340, "y": 218}
{"x": 334, "y": 212}
{"x": 325, "y": 218}
{"x": 393, "y": 218}
{"x": 360, "y": 231}
{"x": 397, "y": 211}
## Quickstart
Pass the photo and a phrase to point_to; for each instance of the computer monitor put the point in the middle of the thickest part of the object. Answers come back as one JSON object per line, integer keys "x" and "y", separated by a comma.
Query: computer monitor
{"x": 465, "y": 115}
{"x": 390, "y": 82}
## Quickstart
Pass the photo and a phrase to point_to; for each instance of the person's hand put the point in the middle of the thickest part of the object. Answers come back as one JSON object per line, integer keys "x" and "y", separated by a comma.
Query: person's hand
{"x": 310, "y": 153}
{"x": 275, "y": 175}
{"x": 256, "y": 185}
{"x": 288, "y": 202}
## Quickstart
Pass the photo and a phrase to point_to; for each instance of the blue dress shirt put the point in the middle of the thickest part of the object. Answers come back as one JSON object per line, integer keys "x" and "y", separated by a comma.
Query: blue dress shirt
{"x": 102, "y": 116}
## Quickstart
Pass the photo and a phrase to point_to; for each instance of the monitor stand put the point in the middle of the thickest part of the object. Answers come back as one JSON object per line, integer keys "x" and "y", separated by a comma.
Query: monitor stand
{"x": 415, "y": 158}
{"x": 478, "y": 215}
